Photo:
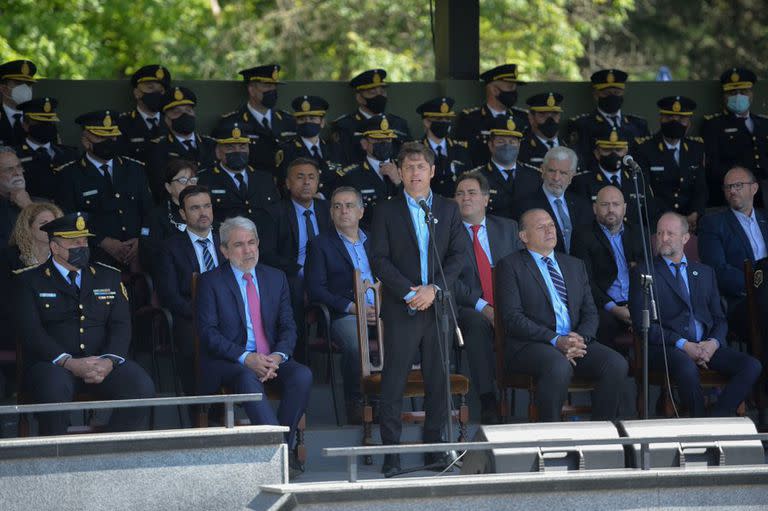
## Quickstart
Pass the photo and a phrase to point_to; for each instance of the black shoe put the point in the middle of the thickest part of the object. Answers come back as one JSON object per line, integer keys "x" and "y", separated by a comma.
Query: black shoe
{"x": 295, "y": 467}
{"x": 391, "y": 465}
{"x": 439, "y": 461}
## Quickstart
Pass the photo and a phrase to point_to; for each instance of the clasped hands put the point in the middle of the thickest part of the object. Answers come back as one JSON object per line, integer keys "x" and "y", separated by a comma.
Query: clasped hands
{"x": 424, "y": 297}
{"x": 265, "y": 366}
{"x": 89, "y": 369}
{"x": 572, "y": 345}
{"x": 701, "y": 352}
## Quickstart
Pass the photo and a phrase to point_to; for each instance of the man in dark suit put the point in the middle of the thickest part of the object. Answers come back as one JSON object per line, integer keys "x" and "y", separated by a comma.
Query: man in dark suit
{"x": 570, "y": 210}
{"x": 728, "y": 238}
{"x": 247, "y": 333}
{"x": 609, "y": 250}
{"x": 550, "y": 322}
{"x": 492, "y": 239}
{"x": 405, "y": 263}
{"x": 138, "y": 127}
{"x": 17, "y": 78}
{"x": 332, "y": 259}
{"x": 76, "y": 330}
{"x": 691, "y": 329}
{"x": 194, "y": 250}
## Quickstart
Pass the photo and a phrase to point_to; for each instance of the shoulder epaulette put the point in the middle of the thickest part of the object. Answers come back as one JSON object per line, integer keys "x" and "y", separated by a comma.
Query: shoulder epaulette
{"x": 63, "y": 166}
{"x": 108, "y": 266}
{"x": 350, "y": 167}
{"x": 470, "y": 110}
{"x": 640, "y": 140}
{"x": 477, "y": 169}
{"x": 229, "y": 114}
{"x": 695, "y": 139}
{"x": 462, "y": 143}
{"x": 134, "y": 160}
{"x": 712, "y": 116}
{"x": 22, "y": 270}
{"x": 521, "y": 110}
{"x": 157, "y": 140}
{"x": 207, "y": 137}
{"x": 579, "y": 117}
{"x": 761, "y": 116}
{"x": 125, "y": 114}
{"x": 528, "y": 165}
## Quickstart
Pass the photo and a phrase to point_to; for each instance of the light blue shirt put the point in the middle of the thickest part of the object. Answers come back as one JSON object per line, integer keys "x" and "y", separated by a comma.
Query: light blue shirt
{"x": 482, "y": 238}
{"x": 250, "y": 343}
{"x": 699, "y": 327}
{"x": 562, "y": 317}
{"x": 551, "y": 199}
{"x": 619, "y": 289}
{"x": 418, "y": 217}
{"x": 199, "y": 249}
{"x": 303, "y": 231}
{"x": 752, "y": 230}
{"x": 356, "y": 251}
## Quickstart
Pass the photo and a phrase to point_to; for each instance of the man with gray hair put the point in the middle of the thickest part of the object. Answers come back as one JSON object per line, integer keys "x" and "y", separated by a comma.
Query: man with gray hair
{"x": 247, "y": 332}
{"x": 569, "y": 210}
{"x": 13, "y": 192}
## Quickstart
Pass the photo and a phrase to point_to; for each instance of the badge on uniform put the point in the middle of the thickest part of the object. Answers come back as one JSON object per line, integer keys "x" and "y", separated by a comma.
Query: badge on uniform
{"x": 47, "y": 295}
{"x": 104, "y": 294}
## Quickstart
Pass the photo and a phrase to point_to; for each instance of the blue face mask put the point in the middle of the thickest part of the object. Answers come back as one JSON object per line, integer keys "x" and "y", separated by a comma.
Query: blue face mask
{"x": 738, "y": 103}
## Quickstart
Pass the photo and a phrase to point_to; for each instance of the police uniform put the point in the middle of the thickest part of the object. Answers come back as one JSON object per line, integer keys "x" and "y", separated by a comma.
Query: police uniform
{"x": 228, "y": 201}
{"x": 679, "y": 185}
{"x": 473, "y": 124}
{"x": 730, "y": 140}
{"x": 264, "y": 142}
{"x": 591, "y": 181}
{"x": 452, "y": 156}
{"x": 200, "y": 149}
{"x": 39, "y": 158}
{"x": 61, "y": 320}
{"x": 11, "y": 131}
{"x": 136, "y": 134}
{"x": 346, "y": 129}
{"x": 583, "y": 129}
{"x": 532, "y": 147}
{"x": 119, "y": 204}
{"x": 328, "y": 155}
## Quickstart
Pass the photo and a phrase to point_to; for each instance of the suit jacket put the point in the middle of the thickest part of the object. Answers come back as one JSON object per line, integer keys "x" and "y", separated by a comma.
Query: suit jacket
{"x": 582, "y": 129}
{"x": 39, "y": 167}
{"x": 502, "y": 240}
{"x": 226, "y": 198}
{"x": 707, "y": 307}
{"x": 589, "y": 183}
{"x": 593, "y": 247}
{"x": 506, "y": 194}
{"x": 175, "y": 266}
{"x": 10, "y": 135}
{"x": 221, "y": 313}
{"x": 579, "y": 210}
{"x": 135, "y": 136}
{"x": 524, "y": 302}
{"x": 330, "y": 273}
{"x": 395, "y": 252}
{"x": 330, "y": 163}
{"x": 474, "y": 124}
{"x": 285, "y": 252}
{"x": 724, "y": 246}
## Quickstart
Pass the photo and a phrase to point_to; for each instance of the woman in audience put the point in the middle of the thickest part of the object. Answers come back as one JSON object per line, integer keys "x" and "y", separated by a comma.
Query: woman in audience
{"x": 28, "y": 244}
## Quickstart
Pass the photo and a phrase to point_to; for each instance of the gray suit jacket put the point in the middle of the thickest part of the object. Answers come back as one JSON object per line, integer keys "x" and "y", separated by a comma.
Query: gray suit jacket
{"x": 523, "y": 300}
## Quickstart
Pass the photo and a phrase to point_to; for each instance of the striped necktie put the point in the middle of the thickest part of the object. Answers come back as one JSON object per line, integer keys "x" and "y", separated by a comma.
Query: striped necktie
{"x": 557, "y": 280}
{"x": 207, "y": 256}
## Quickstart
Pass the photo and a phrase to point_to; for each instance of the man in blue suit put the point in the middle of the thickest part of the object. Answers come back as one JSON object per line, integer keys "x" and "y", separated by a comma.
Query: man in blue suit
{"x": 247, "y": 332}
{"x": 691, "y": 329}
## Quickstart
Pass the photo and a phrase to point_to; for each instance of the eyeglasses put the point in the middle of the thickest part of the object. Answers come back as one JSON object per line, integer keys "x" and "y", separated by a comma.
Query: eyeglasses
{"x": 186, "y": 180}
{"x": 737, "y": 187}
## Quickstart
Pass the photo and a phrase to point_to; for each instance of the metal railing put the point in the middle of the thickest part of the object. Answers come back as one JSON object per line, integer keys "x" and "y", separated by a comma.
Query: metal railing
{"x": 229, "y": 401}
{"x": 352, "y": 453}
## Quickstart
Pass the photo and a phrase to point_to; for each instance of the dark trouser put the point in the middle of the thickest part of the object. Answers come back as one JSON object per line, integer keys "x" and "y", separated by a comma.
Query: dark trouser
{"x": 293, "y": 379}
{"x": 50, "y": 383}
{"x": 610, "y": 327}
{"x": 296, "y": 288}
{"x": 184, "y": 340}
{"x": 404, "y": 337}
{"x": 742, "y": 370}
{"x": 478, "y": 344}
{"x": 553, "y": 373}
{"x": 344, "y": 333}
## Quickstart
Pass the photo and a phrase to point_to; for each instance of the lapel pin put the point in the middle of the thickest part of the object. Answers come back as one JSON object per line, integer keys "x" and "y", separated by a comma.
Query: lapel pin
{"x": 695, "y": 273}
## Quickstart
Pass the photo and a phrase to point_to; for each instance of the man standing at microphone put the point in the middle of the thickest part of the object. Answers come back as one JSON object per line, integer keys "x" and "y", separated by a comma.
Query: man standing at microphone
{"x": 404, "y": 261}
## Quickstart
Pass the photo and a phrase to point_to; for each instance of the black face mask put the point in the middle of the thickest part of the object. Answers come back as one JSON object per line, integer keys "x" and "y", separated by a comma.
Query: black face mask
{"x": 508, "y": 98}
{"x": 184, "y": 124}
{"x": 376, "y": 104}
{"x": 153, "y": 100}
{"x": 79, "y": 257}
{"x": 106, "y": 149}
{"x": 382, "y": 151}
{"x": 673, "y": 130}
{"x": 269, "y": 98}
{"x": 610, "y": 162}
{"x": 43, "y": 132}
{"x": 610, "y": 104}
{"x": 308, "y": 129}
{"x": 440, "y": 129}
{"x": 549, "y": 128}
{"x": 236, "y": 161}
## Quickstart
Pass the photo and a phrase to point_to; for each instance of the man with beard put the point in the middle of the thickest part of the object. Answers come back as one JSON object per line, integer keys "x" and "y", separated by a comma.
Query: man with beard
{"x": 76, "y": 330}
{"x": 691, "y": 330}
{"x": 608, "y": 92}
{"x": 544, "y": 113}
{"x": 144, "y": 123}
{"x": 675, "y": 163}
{"x": 371, "y": 98}
{"x": 16, "y": 80}
{"x": 474, "y": 124}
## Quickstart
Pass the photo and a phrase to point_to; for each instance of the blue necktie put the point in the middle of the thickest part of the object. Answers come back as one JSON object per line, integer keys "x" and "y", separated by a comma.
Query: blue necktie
{"x": 687, "y": 297}
{"x": 207, "y": 256}
{"x": 557, "y": 280}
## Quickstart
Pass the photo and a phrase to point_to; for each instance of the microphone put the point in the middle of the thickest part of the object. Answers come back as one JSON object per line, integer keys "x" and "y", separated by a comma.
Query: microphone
{"x": 459, "y": 337}
{"x": 425, "y": 206}
{"x": 630, "y": 162}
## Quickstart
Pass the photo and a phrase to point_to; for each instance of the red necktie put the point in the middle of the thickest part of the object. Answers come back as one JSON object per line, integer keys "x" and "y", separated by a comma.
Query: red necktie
{"x": 483, "y": 266}
{"x": 254, "y": 309}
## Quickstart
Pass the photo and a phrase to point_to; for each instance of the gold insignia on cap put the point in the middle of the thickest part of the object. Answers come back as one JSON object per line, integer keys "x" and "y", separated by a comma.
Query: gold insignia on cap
{"x": 610, "y": 78}
{"x": 444, "y": 107}
{"x": 384, "y": 124}
{"x": 305, "y": 106}
{"x": 275, "y": 74}
{"x": 614, "y": 136}
{"x": 236, "y": 132}
{"x": 24, "y": 68}
{"x": 47, "y": 106}
{"x": 551, "y": 100}
{"x": 735, "y": 77}
{"x": 80, "y": 223}
{"x": 160, "y": 74}
{"x": 107, "y": 121}
{"x": 376, "y": 78}
{"x": 178, "y": 95}
{"x": 676, "y": 106}
{"x": 511, "y": 125}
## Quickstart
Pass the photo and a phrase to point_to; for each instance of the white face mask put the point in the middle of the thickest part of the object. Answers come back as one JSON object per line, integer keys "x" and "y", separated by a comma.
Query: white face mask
{"x": 21, "y": 93}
